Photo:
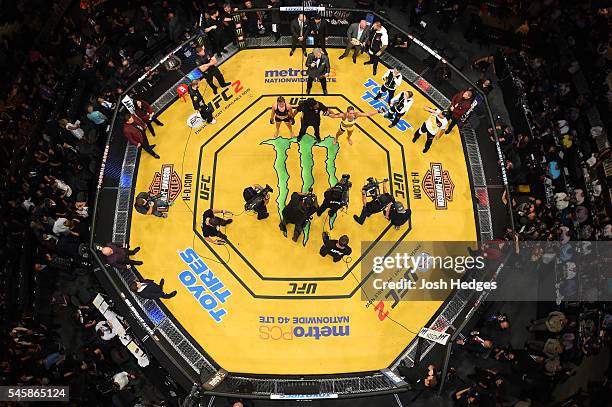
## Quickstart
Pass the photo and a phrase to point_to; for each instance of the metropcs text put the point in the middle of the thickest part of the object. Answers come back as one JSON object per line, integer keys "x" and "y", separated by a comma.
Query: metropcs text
{"x": 441, "y": 284}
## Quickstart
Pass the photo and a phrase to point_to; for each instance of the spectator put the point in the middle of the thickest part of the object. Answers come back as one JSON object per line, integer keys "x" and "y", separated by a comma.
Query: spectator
{"x": 134, "y": 131}
{"x": 97, "y": 118}
{"x": 460, "y": 104}
{"x": 175, "y": 28}
{"x": 555, "y": 322}
{"x": 122, "y": 379}
{"x": 119, "y": 256}
{"x": 145, "y": 112}
{"x": 149, "y": 290}
{"x": 74, "y": 128}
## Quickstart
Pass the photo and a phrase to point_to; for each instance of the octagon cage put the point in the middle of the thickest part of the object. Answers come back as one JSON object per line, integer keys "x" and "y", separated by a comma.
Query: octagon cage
{"x": 430, "y": 65}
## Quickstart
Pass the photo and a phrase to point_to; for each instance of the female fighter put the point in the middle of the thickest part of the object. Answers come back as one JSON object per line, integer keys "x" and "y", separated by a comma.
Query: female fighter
{"x": 348, "y": 121}
{"x": 282, "y": 112}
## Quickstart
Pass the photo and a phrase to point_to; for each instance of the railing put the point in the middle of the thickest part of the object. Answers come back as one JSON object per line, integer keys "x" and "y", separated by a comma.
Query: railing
{"x": 171, "y": 339}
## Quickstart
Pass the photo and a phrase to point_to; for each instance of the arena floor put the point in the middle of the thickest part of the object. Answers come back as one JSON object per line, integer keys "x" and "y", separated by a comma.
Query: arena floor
{"x": 264, "y": 304}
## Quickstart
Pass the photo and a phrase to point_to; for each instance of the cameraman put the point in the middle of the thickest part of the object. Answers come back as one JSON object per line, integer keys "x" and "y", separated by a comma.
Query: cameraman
{"x": 149, "y": 204}
{"x": 397, "y": 214}
{"x": 377, "y": 204}
{"x": 336, "y": 197}
{"x": 256, "y": 198}
{"x": 335, "y": 248}
{"x": 298, "y": 211}
{"x": 211, "y": 225}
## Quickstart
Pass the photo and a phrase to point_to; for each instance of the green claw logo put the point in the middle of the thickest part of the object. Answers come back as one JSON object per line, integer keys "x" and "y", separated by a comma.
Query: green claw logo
{"x": 305, "y": 149}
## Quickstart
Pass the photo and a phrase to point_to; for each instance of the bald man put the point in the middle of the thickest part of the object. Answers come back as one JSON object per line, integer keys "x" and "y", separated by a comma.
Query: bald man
{"x": 118, "y": 256}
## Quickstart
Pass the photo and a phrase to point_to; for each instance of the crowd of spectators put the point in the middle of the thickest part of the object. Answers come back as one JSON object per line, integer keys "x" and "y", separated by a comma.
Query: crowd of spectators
{"x": 554, "y": 161}
{"x": 520, "y": 376}
{"x": 58, "y": 99}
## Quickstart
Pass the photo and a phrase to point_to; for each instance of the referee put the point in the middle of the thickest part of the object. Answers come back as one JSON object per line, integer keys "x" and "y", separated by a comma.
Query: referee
{"x": 311, "y": 116}
{"x": 206, "y": 112}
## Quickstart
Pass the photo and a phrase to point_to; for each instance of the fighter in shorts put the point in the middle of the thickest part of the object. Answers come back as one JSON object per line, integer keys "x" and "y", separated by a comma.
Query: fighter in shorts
{"x": 282, "y": 112}
{"x": 348, "y": 120}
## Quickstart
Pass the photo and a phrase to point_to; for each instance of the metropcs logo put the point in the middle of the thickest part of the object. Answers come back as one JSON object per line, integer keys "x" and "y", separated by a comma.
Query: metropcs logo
{"x": 314, "y": 327}
{"x": 293, "y": 75}
{"x": 438, "y": 186}
{"x": 166, "y": 183}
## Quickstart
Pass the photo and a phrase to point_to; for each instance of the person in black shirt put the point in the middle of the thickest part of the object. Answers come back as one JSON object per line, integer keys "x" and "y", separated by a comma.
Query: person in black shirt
{"x": 260, "y": 205}
{"x": 299, "y": 29}
{"x": 275, "y": 19}
{"x": 335, "y": 197}
{"x": 150, "y": 290}
{"x": 214, "y": 29}
{"x": 251, "y": 21}
{"x": 298, "y": 211}
{"x": 335, "y": 248}
{"x": 148, "y": 204}
{"x": 318, "y": 30}
{"x": 311, "y": 116}
{"x": 397, "y": 214}
{"x": 229, "y": 33}
{"x": 207, "y": 63}
{"x": 376, "y": 205}
{"x": 206, "y": 112}
{"x": 211, "y": 225}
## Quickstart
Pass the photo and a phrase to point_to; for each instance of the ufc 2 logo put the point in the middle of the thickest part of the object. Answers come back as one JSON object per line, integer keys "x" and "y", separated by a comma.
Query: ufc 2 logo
{"x": 382, "y": 314}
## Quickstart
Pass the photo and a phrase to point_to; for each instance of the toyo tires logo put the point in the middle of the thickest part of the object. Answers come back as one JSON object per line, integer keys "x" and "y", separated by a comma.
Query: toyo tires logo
{"x": 305, "y": 149}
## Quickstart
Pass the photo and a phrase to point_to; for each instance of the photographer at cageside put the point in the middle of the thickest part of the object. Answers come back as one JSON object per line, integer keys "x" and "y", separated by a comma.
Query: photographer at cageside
{"x": 256, "y": 197}
{"x": 379, "y": 201}
{"x": 298, "y": 211}
{"x": 336, "y": 197}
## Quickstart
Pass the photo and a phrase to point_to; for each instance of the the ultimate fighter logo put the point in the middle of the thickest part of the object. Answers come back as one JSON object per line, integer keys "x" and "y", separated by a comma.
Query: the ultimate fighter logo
{"x": 166, "y": 183}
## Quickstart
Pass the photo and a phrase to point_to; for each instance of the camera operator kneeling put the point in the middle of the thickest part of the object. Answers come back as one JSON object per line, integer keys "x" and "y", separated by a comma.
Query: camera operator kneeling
{"x": 397, "y": 214}
{"x": 335, "y": 248}
{"x": 378, "y": 203}
{"x": 149, "y": 204}
{"x": 336, "y": 197}
{"x": 211, "y": 226}
{"x": 298, "y": 211}
{"x": 256, "y": 197}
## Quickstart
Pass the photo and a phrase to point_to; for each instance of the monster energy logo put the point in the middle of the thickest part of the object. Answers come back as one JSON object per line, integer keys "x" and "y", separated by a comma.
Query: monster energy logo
{"x": 305, "y": 149}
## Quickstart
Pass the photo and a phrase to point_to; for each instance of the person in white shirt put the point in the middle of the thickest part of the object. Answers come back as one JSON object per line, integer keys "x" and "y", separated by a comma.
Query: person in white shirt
{"x": 379, "y": 40}
{"x": 63, "y": 227}
{"x": 122, "y": 379}
{"x": 434, "y": 125}
{"x": 392, "y": 79}
{"x": 74, "y": 128}
{"x": 105, "y": 331}
{"x": 399, "y": 106}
